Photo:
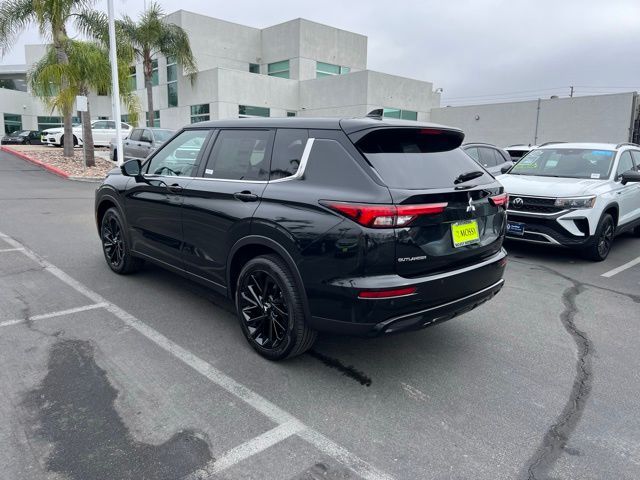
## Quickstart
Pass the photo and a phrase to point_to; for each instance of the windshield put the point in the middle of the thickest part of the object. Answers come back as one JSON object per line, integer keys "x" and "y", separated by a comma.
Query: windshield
{"x": 566, "y": 163}
{"x": 162, "y": 135}
{"x": 24, "y": 133}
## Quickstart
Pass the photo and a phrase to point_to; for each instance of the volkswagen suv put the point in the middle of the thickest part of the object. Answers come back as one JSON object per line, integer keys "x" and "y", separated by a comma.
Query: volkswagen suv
{"x": 362, "y": 226}
{"x": 577, "y": 195}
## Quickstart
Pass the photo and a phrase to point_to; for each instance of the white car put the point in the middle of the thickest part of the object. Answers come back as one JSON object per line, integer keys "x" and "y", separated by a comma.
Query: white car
{"x": 578, "y": 195}
{"x": 103, "y": 132}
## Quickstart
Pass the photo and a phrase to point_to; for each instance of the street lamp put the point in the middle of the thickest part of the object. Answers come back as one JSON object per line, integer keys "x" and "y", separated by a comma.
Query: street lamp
{"x": 115, "y": 87}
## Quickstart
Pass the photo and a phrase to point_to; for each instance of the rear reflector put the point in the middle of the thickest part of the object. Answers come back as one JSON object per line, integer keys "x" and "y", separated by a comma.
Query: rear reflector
{"x": 384, "y": 216}
{"x": 398, "y": 292}
{"x": 501, "y": 200}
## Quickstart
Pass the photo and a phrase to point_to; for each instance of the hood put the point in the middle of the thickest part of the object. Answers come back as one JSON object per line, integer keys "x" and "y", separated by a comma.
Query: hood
{"x": 548, "y": 186}
{"x": 54, "y": 130}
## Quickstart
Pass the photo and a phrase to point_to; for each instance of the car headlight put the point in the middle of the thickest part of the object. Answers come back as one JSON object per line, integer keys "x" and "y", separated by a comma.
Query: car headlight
{"x": 576, "y": 202}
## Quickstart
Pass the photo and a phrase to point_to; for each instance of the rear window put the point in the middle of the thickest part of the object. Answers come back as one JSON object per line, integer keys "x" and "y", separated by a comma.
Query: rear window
{"x": 418, "y": 158}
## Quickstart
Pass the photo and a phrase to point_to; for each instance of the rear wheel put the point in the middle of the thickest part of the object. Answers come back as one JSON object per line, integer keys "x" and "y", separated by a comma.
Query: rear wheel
{"x": 599, "y": 248}
{"x": 270, "y": 309}
{"x": 115, "y": 246}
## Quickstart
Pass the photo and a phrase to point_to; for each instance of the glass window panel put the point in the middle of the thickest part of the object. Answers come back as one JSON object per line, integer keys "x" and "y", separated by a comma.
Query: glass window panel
{"x": 172, "y": 73}
{"x": 287, "y": 152}
{"x": 154, "y": 75}
{"x": 254, "y": 111}
{"x": 344, "y": 70}
{"x": 328, "y": 68}
{"x": 241, "y": 155}
{"x": 278, "y": 66}
{"x": 172, "y": 94}
{"x": 254, "y": 68}
{"x": 12, "y": 123}
{"x": 409, "y": 115}
{"x": 49, "y": 122}
{"x": 391, "y": 113}
{"x": 178, "y": 157}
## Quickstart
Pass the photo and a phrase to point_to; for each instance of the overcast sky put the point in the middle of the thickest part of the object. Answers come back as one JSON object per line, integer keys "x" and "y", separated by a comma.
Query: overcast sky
{"x": 477, "y": 51}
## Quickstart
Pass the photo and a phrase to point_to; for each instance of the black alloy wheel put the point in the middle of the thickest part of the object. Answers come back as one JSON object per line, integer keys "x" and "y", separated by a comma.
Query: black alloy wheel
{"x": 600, "y": 247}
{"x": 114, "y": 244}
{"x": 270, "y": 309}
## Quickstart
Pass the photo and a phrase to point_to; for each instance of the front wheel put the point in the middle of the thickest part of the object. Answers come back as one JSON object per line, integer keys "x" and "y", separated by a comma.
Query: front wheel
{"x": 599, "y": 248}
{"x": 270, "y": 309}
{"x": 115, "y": 246}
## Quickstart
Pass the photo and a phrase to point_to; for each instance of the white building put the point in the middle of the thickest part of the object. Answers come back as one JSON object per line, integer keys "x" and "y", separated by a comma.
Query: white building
{"x": 294, "y": 68}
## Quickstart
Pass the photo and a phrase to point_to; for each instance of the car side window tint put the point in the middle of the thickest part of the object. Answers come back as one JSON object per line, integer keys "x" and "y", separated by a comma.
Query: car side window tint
{"x": 135, "y": 134}
{"x": 487, "y": 157}
{"x": 473, "y": 153}
{"x": 111, "y": 125}
{"x": 240, "y": 155}
{"x": 178, "y": 157}
{"x": 636, "y": 158}
{"x": 287, "y": 152}
{"x": 625, "y": 163}
{"x": 99, "y": 126}
{"x": 146, "y": 136}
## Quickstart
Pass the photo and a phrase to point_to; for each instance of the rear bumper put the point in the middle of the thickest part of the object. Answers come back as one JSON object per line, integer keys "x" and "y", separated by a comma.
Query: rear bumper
{"x": 438, "y": 298}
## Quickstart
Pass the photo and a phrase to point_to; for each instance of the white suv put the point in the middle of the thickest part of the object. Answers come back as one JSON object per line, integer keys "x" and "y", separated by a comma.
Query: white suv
{"x": 578, "y": 195}
{"x": 103, "y": 131}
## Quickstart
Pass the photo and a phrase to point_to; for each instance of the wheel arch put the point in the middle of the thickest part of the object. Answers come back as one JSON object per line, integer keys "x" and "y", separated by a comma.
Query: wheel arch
{"x": 106, "y": 202}
{"x": 614, "y": 210}
{"x": 252, "y": 246}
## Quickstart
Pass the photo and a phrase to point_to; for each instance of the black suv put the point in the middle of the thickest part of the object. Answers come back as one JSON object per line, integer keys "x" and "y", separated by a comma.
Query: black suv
{"x": 357, "y": 226}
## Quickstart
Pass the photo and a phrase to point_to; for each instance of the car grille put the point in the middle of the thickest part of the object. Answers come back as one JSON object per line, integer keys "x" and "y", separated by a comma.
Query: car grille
{"x": 519, "y": 203}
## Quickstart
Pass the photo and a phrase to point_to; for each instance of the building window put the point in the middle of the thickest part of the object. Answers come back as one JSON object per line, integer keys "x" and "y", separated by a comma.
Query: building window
{"x": 133, "y": 84}
{"x": 49, "y": 122}
{"x": 172, "y": 82}
{"x": 154, "y": 72}
{"x": 12, "y": 123}
{"x": 279, "y": 69}
{"x": 156, "y": 119}
{"x": 199, "y": 113}
{"x": 328, "y": 70}
{"x": 17, "y": 83}
{"x": 249, "y": 111}
{"x": 291, "y": 114}
{"x": 397, "y": 113}
{"x": 125, "y": 118}
{"x": 254, "y": 68}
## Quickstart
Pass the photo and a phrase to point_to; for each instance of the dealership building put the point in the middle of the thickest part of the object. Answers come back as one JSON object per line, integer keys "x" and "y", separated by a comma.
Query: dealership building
{"x": 297, "y": 68}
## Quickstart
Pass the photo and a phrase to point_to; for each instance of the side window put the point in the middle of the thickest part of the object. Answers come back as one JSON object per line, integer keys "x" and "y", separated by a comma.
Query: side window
{"x": 287, "y": 152}
{"x": 111, "y": 125}
{"x": 636, "y": 158}
{"x": 473, "y": 153}
{"x": 146, "y": 136}
{"x": 487, "y": 157}
{"x": 135, "y": 134}
{"x": 99, "y": 125}
{"x": 625, "y": 163}
{"x": 240, "y": 155}
{"x": 178, "y": 157}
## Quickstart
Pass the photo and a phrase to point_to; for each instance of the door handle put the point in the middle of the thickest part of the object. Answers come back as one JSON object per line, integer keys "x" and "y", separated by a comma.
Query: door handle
{"x": 175, "y": 188}
{"x": 246, "y": 196}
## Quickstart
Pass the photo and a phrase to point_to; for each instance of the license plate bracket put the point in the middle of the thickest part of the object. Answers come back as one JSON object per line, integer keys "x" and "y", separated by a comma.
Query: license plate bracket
{"x": 516, "y": 228}
{"x": 465, "y": 233}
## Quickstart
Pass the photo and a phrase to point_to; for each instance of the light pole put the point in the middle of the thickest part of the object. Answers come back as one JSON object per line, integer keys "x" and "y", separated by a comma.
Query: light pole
{"x": 115, "y": 86}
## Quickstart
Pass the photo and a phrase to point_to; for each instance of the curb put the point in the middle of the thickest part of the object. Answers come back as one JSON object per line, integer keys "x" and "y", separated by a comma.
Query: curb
{"x": 21, "y": 155}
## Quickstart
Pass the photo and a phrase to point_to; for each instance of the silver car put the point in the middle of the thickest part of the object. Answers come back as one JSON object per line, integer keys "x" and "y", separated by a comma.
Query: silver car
{"x": 141, "y": 142}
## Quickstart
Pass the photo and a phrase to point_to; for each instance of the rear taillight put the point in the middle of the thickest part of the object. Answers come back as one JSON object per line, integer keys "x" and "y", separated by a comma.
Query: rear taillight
{"x": 384, "y": 216}
{"x": 394, "y": 293}
{"x": 501, "y": 200}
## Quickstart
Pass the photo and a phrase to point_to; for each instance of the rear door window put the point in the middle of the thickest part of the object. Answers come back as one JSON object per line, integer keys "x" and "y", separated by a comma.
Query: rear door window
{"x": 418, "y": 158}
{"x": 240, "y": 155}
{"x": 287, "y": 152}
{"x": 488, "y": 157}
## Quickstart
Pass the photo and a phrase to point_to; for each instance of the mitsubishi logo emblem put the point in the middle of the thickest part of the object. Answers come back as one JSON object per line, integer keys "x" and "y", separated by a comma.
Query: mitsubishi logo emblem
{"x": 471, "y": 207}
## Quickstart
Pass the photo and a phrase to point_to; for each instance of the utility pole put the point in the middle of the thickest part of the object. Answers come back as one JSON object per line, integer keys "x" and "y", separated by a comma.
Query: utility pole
{"x": 115, "y": 86}
{"x": 571, "y": 91}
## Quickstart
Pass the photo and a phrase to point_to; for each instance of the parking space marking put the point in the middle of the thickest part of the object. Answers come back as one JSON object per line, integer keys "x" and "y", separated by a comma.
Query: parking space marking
{"x": 59, "y": 313}
{"x": 247, "y": 449}
{"x": 4, "y": 250}
{"x": 621, "y": 268}
{"x": 255, "y": 400}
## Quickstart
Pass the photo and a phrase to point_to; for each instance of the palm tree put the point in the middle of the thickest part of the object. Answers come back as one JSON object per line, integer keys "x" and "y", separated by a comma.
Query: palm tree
{"x": 151, "y": 36}
{"x": 88, "y": 69}
{"x": 51, "y": 17}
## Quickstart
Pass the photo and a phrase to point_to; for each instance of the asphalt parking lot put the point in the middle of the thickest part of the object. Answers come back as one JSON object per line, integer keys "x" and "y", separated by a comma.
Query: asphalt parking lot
{"x": 148, "y": 376}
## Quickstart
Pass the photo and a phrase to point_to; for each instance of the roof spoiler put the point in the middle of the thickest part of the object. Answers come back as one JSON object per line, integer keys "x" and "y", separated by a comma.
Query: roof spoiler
{"x": 377, "y": 114}
{"x": 549, "y": 143}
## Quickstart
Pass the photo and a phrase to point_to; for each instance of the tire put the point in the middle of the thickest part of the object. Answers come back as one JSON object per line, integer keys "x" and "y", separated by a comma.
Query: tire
{"x": 115, "y": 155}
{"x": 115, "y": 245}
{"x": 266, "y": 289}
{"x": 59, "y": 145}
{"x": 599, "y": 248}
{"x": 27, "y": 142}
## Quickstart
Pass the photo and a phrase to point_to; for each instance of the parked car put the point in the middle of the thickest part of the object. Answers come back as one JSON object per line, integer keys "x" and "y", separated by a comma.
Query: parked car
{"x": 578, "y": 195}
{"x": 361, "y": 226}
{"x": 103, "y": 131}
{"x": 22, "y": 137}
{"x": 516, "y": 152}
{"x": 492, "y": 158}
{"x": 141, "y": 142}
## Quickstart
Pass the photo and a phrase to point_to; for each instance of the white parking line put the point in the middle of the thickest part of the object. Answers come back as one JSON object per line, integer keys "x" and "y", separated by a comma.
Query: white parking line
{"x": 255, "y": 400}
{"x": 60, "y": 313}
{"x": 3, "y": 250}
{"x": 246, "y": 450}
{"x": 621, "y": 268}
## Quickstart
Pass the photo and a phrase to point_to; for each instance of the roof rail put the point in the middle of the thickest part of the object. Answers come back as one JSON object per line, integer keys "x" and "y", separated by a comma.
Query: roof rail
{"x": 478, "y": 143}
{"x": 377, "y": 113}
{"x": 519, "y": 145}
{"x": 627, "y": 144}
{"x": 549, "y": 143}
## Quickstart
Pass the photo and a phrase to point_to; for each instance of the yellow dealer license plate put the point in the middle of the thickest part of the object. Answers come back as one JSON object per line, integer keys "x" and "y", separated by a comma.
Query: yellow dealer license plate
{"x": 465, "y": 233}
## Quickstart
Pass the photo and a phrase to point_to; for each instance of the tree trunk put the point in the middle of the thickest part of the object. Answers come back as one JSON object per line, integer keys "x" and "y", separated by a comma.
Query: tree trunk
{"x": 59, "y": 39}
{"x": 148, "y": 75}
{"x": 87, "y": 136}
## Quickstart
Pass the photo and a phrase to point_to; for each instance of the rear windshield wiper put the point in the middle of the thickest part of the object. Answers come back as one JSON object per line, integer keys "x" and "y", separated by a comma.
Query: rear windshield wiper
{"x": 465, "y": 177}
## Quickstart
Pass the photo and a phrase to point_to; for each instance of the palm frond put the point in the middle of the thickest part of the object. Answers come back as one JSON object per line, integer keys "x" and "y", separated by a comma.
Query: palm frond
{"x": 15, "y": 16}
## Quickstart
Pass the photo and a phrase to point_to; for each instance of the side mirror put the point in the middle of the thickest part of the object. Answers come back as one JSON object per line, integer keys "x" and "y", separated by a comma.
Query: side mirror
{"x": 132, "y": 168}
{"x": 630, "y": 176}
{"x": 505, "y": 169}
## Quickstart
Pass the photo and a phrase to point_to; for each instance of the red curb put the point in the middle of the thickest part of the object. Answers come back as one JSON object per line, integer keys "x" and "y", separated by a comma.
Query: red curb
{"x": 21, "y": 155}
